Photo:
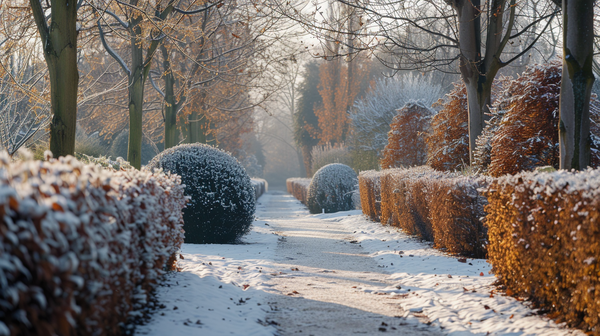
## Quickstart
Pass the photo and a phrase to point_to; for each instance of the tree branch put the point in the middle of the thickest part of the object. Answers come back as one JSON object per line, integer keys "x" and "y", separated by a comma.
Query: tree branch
{"x": 154, "y": 84}
{"x": 124, "y": 24}
{"x": 111, "y": 52}
{"x": 40, "y": 21}
{"x": 196, "y": 11}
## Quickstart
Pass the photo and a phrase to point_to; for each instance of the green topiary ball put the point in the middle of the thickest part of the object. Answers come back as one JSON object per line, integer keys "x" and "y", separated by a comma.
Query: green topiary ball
{"x": 331, "y": 189}
{"x": 222, "y": 205}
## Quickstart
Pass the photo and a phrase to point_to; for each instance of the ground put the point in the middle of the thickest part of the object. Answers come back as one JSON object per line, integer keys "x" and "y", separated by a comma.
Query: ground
{"x": 334, "y": 274}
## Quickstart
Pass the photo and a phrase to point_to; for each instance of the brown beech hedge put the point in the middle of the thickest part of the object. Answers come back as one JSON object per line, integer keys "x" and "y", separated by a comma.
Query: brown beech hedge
{"x": 82, "y": 247}
{"x": 544, "y": 245}
{"x": 298, "y": 187}
{"x": 445, "y": 208}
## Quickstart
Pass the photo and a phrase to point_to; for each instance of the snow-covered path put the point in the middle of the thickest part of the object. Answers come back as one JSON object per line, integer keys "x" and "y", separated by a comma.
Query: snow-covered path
{"x": 323, "y": 267}
{"x": 334, "y": 274}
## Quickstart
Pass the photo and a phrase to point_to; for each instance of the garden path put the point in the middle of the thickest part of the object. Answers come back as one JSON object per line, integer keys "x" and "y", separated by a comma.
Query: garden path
{"x": 315, "y": 292}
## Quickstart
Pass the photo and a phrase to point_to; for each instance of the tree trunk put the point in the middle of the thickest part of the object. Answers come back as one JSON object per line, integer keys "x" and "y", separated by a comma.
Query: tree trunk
{"x": 307, "y": 155}
{"x": 171, "y": 107}
{"x": 576, "y": 86}
{"x": 137, "y": 81}
{"x": 302, "y": 170}
{"x": 60, "y": 53}
{"x": 479, "y": 95}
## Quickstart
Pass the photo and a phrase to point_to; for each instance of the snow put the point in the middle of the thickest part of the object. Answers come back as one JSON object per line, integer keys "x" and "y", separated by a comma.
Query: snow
{"x": 221, "y": 285}
{"x": 434, "y": 292}
{"x": 455, "y": 294}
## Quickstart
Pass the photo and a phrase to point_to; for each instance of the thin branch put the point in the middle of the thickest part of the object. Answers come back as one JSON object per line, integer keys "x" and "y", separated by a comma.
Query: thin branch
{"x": 154, "y": 84}
{"x": 124, "y": 24}
{"x": 111, "y": 52}
{"x": 196, "y": 11}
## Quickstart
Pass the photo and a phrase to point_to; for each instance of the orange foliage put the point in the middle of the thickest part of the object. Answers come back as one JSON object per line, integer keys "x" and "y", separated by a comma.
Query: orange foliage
{"x": 406, "y": 143}
{"x": 544, "y": 241}
{"x": 527, "y": 135}
{"x": 337, "y": 97}
{"x": 448, "y": 141}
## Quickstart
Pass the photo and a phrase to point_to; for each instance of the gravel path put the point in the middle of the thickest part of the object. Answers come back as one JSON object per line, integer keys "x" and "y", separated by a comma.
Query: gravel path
{"x": 315, "y": 293}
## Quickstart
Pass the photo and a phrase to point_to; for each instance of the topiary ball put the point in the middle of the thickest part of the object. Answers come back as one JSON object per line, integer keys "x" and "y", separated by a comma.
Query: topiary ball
{"x": 221, "y": 209}
{"x": 331, "y": 189}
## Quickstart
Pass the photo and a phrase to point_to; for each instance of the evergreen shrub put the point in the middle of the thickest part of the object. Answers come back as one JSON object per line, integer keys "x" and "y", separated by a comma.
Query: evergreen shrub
{"x": 331, "y": 189}
{"x": 222, "y": 205}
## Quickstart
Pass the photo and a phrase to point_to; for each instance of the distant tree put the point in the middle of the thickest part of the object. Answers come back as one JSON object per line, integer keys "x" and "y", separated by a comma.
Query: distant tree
{"x": 306, "y": 122}
{"x": 448, "y": 140}
{"x": 406, "y": 139}
{"x": 339, "y": 86}
{"x": 371, "y": 115}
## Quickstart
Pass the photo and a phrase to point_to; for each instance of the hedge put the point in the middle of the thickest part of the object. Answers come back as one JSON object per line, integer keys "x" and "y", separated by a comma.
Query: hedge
{"x": 445, "y": 208}
{"x": 260, "y": 186}
{"x": 82, "y": 247}
{"x": 544, "y": 245}
{"x": 298, "y": 187}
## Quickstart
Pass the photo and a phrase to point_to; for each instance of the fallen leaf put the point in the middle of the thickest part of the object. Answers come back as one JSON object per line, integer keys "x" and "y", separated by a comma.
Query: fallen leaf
{"x": 462, "y": 260}
{"x": 246, "y": 286}
{"x": 486, "y": 307}
{"x": 481, "y": 274}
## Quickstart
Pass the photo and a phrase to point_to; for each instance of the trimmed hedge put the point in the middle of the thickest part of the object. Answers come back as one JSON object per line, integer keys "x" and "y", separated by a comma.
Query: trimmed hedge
{"x": 331, "y": 189}
{"x": 544, "y": 245}
{"x": 260, "y": 186}
{"x": 298, "y": 187}
{"x": 222, "y": 199}
{"x": 82, "y": 247}
{"x": 445, "y": 208}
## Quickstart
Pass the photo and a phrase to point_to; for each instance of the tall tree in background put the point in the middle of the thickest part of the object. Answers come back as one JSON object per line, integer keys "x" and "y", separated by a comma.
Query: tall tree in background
{"x": 59, "y": 40}
{"x": 145, "y": 27}
{"x": 338, "y": 91}
{"x": 482, "y": 36}
{"x": 306, "y": 122}
{"x": 576, "y": 85}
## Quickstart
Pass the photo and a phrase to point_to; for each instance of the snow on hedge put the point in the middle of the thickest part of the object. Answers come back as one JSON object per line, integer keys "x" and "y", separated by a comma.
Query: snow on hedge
{"x": 81, "y": 246}
{"x": 221, "y": 209}
{"x": 332, "y": 188}
{"x": 298, "y": 187}
{"x": 260, "y": 186}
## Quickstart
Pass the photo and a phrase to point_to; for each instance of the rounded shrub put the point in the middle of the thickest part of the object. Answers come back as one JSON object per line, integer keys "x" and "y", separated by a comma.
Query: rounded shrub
{"x": 222, "y": 204}
{"x": 331, "y": 189}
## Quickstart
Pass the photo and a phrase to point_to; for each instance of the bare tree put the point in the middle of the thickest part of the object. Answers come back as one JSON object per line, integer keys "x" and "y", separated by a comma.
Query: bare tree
{"x": 477, "y": 36}
{"x": 58, "y": 35}
{"x": 576, "y": 86}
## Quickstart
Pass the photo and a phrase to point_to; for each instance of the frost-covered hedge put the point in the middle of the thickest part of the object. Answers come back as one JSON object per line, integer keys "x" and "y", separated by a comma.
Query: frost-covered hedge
{"x": 81, "y": 246}
{"x": 441, "y": 207}
{"x": 260, "y": 187}
{"x": 544, "y": 237}
{"x": 331, "y": 189}
{"x": 298, "y": 187}
{"x": 222, "y": 204}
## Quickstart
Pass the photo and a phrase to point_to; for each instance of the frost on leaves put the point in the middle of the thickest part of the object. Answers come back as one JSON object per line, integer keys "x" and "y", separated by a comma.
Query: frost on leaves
{"x": 81, "y": 246}
{"x": 222, "y": 204}
{"x": 331, "y": 189}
